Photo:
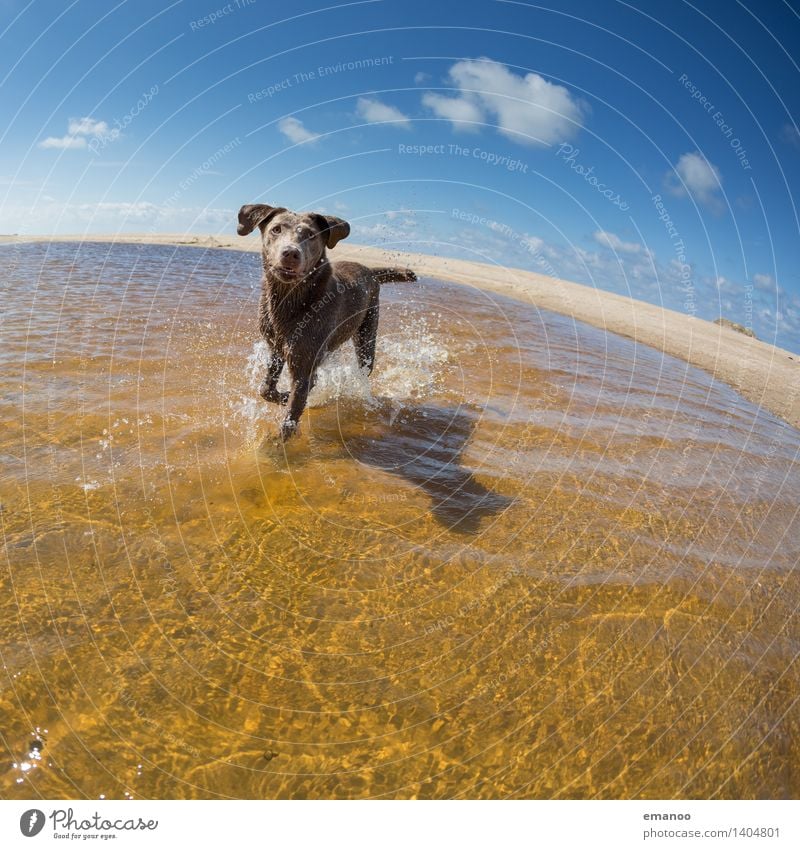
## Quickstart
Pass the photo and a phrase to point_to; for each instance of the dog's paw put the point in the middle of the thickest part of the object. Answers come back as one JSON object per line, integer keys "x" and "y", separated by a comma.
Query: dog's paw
{"x": 288, "y": 429}
{"x": 272, "y": 395}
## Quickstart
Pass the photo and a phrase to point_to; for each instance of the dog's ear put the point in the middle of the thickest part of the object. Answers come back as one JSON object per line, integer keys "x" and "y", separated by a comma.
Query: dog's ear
{"x": 334, "y": 229}
{"x": 255, "y": 215}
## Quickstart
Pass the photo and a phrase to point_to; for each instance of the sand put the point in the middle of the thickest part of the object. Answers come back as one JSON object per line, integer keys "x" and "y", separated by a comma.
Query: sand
{"x": 765, "y": 375}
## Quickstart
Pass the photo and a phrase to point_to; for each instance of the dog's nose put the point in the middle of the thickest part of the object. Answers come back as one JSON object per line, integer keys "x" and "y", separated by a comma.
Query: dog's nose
{"x": 290, "y": 254}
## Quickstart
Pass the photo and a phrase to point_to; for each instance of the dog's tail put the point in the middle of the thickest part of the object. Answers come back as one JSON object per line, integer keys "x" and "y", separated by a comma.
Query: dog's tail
{"x": 393, "y": 275}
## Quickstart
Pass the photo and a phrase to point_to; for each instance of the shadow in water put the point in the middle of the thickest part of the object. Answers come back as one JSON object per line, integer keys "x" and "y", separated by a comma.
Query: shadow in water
{"x": 423, "y": 445}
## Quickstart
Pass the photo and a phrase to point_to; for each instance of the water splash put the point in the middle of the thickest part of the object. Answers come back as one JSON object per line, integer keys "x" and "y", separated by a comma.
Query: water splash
{"x": 410, "y": 361}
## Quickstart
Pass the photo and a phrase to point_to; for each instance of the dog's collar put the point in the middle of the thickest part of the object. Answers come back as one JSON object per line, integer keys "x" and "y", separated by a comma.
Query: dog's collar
{"x": 318, "y": 266}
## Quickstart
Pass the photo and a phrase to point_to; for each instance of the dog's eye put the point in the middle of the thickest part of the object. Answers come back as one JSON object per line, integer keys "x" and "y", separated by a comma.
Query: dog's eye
{"x": 275, "y": 230}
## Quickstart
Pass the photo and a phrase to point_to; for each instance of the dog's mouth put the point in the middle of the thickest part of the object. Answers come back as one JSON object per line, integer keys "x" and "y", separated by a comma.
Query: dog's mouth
{"x": 288, "y": 273}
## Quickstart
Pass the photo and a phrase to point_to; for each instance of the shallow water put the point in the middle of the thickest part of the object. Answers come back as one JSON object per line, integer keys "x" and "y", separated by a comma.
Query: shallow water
{"x": 525, "y": 559}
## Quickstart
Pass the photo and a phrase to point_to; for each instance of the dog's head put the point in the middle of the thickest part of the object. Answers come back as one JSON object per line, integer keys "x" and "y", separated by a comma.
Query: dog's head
{"x": 292, "y": 242}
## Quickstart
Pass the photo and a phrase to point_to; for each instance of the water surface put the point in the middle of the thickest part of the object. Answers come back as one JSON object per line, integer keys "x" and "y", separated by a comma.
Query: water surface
{"x": 525, "y": 559}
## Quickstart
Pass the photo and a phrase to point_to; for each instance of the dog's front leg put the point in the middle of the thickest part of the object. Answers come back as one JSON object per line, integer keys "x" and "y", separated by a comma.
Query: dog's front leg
{"x": 269, "y": 386}
{"x": 301, "y": 386}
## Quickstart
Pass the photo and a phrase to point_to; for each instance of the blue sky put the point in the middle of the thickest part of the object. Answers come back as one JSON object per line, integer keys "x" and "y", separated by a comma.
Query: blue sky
{"x": 648, "y": 149}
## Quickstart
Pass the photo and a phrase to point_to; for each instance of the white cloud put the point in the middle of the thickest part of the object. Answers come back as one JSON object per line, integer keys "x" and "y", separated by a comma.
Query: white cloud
{"x": 87, "y": 127}
{"x": 421, "y": 77}
{"x": 790, "y": 134}
{"x": 532, "y": 243}
{"x": 696, "y": 176}
{"x": 611, "y": 240}
{"x": 79, "y": 130}
{"x": 393, "y": 227}
{"x": 464, "y": 113}
{"x": 295, "y": 131}
{"x": 375, "y": 112}
{"x": 63, "y": 143}
{"x": 51, "y": 216}
{"x": 639, "y": 274}
{"x": 528, "y": 109}
{"x": 765, "y": 282}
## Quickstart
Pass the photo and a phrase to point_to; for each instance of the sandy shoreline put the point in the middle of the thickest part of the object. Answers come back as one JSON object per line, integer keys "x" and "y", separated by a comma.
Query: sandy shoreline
{"x": 765, "y": 375}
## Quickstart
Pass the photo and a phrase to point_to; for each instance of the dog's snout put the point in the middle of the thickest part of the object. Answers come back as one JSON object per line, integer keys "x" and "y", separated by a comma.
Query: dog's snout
{"x": 290, "y": 253}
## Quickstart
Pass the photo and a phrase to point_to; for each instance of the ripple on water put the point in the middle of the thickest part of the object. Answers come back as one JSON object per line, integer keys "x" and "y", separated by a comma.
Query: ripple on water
{"x": 524, "y": 557}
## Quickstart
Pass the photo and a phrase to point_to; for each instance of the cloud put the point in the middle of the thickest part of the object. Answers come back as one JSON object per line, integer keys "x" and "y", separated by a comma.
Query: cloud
{"x": 463, "y": 113}
{"x": 375, "y": 112}
{"x": 696, "y": 176}
{"x": 79, "y": 132}
{"x": 63, "y": 143}
{"x": 527, "y": 109}
{"x": 637, "y": 273}
{"x": 381, "y": 234}
{"x": 421, "y": 77}
{"x": 790, "y": 134}
{"x": 114, "y": 216}
{"x": 611, "y": 240}
{"x": 764, "y": 282}
{"x": 87, "y": 127}
{"x": 294, "y": 130}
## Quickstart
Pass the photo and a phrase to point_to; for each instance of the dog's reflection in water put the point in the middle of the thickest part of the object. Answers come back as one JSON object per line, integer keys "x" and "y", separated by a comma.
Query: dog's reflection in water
{"x": 424, "y": 446}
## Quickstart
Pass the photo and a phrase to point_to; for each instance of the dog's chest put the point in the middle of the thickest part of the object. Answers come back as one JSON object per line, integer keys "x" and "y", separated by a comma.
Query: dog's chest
{"x": 289, "y": 320}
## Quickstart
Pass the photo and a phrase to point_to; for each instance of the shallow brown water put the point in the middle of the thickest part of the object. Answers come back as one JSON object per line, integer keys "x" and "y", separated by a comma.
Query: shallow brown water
{"x": 527, "y": 559}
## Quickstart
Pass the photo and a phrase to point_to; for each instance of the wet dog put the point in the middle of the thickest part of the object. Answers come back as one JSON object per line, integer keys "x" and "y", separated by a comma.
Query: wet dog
{"x": 310, "y": 306}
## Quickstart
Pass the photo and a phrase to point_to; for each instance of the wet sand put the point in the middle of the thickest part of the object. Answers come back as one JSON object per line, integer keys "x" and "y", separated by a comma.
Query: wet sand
{"x": 765, "y": 375}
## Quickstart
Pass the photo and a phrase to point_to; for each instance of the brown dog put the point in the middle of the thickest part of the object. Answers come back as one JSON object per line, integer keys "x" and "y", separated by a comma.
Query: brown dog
{"x": 309, "y": 306}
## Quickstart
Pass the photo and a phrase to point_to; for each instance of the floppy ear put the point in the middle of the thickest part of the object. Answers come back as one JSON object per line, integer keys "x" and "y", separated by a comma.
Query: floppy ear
{"x": 334, "y": 229}
{"x": 255, "y": 215}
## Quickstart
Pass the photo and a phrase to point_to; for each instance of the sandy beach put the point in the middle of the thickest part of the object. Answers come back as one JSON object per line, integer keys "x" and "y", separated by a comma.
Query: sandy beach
{"x": 765, "y": 375}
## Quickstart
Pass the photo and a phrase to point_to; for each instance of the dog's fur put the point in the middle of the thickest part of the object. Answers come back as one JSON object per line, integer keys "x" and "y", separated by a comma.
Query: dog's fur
{"x": 310, "y": 306}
